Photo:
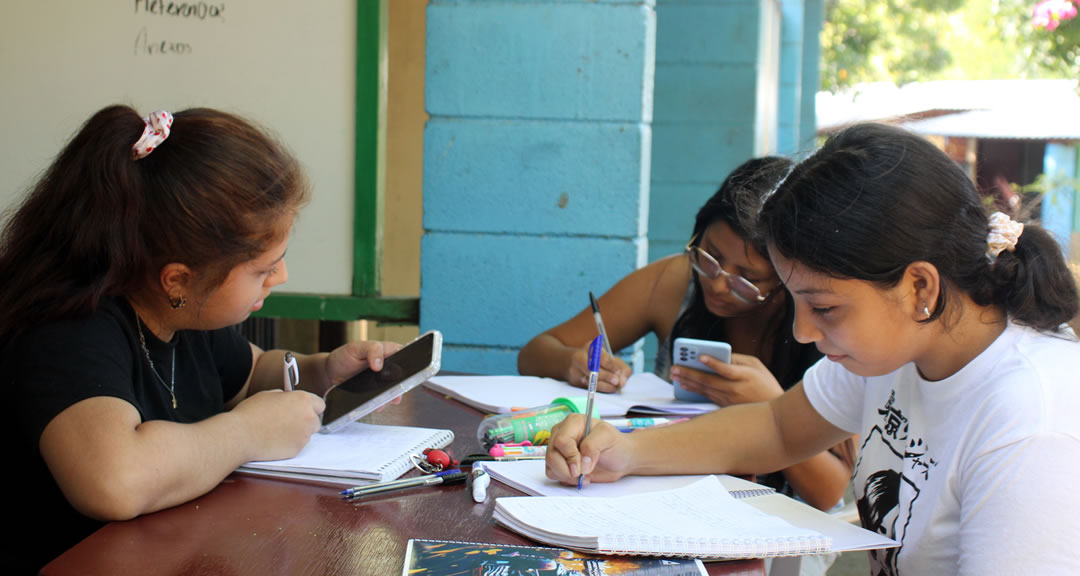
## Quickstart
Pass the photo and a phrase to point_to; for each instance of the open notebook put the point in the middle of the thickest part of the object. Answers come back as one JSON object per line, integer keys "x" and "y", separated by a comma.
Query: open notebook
{"x": 529, "y": 477}
{"x": 700, "y": 520}
{"x": 357, "y": 452}
{"x": 644, "y": 393}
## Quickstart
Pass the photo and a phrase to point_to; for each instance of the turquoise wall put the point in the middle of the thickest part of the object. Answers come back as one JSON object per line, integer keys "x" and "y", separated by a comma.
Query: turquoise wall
{"x": 571, "y": 142}
{"x": 536, "y": 167}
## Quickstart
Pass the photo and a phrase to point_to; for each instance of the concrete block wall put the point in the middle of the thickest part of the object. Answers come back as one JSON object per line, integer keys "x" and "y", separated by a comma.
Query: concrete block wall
{"x": 715, "y": 107}
{"x": 813, "y": 21}
{"x": 536, "y": 166}
{"x": 789, "y": 106}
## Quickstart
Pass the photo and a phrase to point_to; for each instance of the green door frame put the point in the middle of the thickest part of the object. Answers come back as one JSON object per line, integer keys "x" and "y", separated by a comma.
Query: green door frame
{"x": 364, "y": 302}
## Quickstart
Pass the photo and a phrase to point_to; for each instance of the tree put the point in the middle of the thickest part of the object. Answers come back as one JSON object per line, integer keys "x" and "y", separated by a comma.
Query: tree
{"x": 919, "y": 40}
{"x": 897, "y": 40}
{"x": 1047, "y": 32}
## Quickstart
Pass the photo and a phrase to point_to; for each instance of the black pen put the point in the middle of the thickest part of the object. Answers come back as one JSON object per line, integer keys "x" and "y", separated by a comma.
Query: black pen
{"x": 600, "y": 323}
{"x": 430, "y": 480}
{"x": 390, "y": 483}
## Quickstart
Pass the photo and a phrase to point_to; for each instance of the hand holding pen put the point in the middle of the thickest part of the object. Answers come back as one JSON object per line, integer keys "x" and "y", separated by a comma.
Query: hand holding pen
{"x": 594, "y": 371}
{"x": 613, "y": 369}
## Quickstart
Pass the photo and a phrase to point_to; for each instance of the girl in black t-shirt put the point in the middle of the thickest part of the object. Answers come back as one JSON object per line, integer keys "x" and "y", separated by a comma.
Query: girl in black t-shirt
{"x": 121, "y": 270}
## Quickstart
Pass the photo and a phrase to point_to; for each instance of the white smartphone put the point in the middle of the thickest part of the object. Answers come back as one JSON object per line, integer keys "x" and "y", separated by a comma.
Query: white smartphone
{"x": 364, "y": 393}
{"x": 686, "y": 352}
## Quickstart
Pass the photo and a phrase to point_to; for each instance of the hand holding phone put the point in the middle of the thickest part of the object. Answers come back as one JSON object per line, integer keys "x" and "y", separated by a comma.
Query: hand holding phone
{"x": 685, "y": 353}
{"x": 367, "y": 391}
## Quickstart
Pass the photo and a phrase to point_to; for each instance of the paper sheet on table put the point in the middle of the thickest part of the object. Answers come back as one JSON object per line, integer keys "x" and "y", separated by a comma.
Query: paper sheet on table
{"x": 644, "y": 392}
{"x": 529, "y": 477}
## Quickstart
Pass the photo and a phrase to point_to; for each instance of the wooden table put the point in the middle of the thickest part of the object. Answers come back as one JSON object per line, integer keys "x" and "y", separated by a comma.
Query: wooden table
{"x": 253, "y": 525}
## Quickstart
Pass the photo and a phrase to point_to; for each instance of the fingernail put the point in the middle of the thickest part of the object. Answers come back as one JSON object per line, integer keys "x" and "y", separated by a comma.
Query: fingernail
{"x": 376, "y": 363}
{"x": 573, "y": 470}
{"x": 586, "y": 464}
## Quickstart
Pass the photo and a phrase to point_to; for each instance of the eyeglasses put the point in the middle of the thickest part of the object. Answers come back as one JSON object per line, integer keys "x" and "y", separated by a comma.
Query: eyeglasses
{"x": 707, "y": 266}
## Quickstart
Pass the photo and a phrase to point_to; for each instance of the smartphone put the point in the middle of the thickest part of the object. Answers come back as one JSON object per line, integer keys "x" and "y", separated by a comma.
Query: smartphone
{"x": 364, "y": 393}
{"x": 686, "y": 352}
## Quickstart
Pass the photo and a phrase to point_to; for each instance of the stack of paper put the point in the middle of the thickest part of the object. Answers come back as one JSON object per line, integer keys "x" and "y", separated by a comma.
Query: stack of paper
{"x": 357, "y": 452}
{"x": 529, "y": 477}
{"x": 701, "y": 520}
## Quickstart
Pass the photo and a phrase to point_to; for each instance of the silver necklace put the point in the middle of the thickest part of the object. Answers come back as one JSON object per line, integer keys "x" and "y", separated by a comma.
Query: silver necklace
{"x": 171, "y": 386}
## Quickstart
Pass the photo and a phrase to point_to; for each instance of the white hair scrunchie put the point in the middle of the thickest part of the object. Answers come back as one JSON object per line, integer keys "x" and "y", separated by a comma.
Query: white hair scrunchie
{"x": 154, "y": 133}
{"x": 1004, "y": 233}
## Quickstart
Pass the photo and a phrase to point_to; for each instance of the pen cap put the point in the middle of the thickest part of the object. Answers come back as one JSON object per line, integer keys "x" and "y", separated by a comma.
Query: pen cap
{"x": 531, "y": 425}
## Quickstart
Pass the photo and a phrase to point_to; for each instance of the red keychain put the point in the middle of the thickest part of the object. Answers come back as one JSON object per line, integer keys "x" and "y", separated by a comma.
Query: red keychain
{"x": 434, "y": 460}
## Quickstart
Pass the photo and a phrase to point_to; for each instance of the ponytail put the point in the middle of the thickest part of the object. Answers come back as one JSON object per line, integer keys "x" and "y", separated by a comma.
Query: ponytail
{"x": 100, "y": 223}
{"x": 1033, "y": 283}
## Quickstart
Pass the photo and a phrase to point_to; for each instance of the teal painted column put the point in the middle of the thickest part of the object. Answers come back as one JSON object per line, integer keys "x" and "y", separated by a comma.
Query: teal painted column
{"x": 789, "y": 107}
{"x": 717, "y": 82}
{"x": 536, "y": 167}
{"x": 1058, "y": 204}
{"x": 813, "y": 22}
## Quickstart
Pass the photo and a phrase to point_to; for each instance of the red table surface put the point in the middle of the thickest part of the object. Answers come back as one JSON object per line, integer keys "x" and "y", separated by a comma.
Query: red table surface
{"x": 251, "y": 525}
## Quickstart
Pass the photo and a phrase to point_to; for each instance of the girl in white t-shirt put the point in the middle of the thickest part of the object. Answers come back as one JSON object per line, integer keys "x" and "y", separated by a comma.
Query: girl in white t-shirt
{"x": 946, "y": 352}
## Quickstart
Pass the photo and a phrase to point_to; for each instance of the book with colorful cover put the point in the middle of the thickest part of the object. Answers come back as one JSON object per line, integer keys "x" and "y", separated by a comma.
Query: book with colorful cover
{"x": 445, "y": 558}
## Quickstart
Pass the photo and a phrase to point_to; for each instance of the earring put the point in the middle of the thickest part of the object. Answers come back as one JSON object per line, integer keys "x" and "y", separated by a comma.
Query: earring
{"x": 926, "y": 309}
{"x": 178, "y": 303}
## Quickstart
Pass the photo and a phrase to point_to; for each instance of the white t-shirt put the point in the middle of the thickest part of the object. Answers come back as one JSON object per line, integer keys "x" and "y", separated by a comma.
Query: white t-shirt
{"x": 978, "y": 473}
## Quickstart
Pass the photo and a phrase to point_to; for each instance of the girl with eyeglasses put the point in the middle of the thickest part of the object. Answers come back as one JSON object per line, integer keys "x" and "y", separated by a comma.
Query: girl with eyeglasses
{"x": 723, "y": 287}
{"x": 947, "y": 351}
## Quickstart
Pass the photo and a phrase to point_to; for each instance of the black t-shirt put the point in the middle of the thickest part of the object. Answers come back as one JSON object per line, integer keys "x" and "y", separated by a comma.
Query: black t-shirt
{"x": 52, "y": 367}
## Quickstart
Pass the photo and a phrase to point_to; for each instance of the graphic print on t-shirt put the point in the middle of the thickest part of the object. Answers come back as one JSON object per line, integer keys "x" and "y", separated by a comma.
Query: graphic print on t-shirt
{"x": 895, "y": 463}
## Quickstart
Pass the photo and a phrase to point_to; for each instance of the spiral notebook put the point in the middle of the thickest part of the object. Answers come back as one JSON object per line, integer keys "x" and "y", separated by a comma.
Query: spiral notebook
{"x": 357, "y": 452}
{"x": 700, "y": 520}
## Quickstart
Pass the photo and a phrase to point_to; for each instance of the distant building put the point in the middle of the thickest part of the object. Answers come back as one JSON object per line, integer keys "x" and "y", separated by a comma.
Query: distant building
{"x": 1003, "y": 132}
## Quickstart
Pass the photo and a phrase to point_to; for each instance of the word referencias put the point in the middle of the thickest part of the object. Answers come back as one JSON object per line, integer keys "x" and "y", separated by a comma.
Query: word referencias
{"x": 198, "y": 10}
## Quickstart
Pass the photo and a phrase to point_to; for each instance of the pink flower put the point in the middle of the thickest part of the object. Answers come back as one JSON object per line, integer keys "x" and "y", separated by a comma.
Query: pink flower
{"x": 1049, "y": 14}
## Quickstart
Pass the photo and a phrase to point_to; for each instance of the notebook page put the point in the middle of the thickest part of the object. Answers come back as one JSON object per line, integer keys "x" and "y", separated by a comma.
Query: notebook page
{"x": 702, "y": 510}
{"x": 361, "y": 449}
{"x": 529, "y": 476}
{"x": 499, "y": 394}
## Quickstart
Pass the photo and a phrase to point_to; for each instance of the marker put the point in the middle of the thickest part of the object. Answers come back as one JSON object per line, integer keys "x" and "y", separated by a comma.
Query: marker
{"x": 502, "y": 450}
{"x": 360, "y": 490}
{"x": 594, "y": 371}
{"x": 480, "y": 482}
{"x": 447, "y": 477}
{"x": 631, "y": 424}
{"x": 471, "y": 458}
{"x": 291, "y": 376}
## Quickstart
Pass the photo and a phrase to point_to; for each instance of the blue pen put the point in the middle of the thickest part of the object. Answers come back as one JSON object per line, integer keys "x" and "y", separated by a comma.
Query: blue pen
{"x": 350, "y": 492}
{"x": 594, "y": 371}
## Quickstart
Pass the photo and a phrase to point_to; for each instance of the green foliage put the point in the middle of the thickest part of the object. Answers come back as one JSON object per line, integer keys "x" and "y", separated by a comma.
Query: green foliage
{"x": 919, "y": 40}
{"x": 897, "y": 40}
{"x": 1055, "y": 52}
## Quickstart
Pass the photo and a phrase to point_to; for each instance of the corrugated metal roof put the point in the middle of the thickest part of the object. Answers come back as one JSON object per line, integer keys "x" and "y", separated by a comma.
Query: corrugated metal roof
{"x": 1014, "y": 109}
{"x": 1033, "y": 123}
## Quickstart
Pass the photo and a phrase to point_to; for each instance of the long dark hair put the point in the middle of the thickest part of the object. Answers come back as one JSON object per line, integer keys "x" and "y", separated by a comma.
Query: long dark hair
{"x": 737, "y": 203}
{"x": 876, "y": 198}
{"x": 99, "y": 223}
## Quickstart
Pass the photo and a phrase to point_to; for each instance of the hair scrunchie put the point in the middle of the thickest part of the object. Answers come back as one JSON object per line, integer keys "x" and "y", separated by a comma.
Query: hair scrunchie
{"x": 155, "y": 131}
{"x": 1004, "y": 233}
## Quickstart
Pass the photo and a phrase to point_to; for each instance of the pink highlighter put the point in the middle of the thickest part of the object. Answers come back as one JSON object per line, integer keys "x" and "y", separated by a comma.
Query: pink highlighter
{"x": 523, "y": 449}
